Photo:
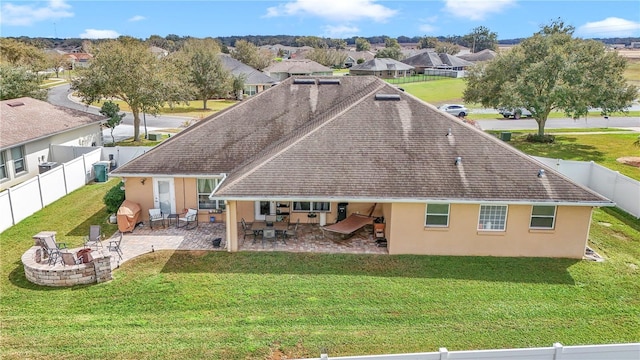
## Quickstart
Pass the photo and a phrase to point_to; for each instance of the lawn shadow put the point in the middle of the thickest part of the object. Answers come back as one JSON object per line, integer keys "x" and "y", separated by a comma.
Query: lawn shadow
{"x": 492, "y": 269}
{"x": 624, "y": 217}
{"x": 565, "y": 147}
{"x": 100, "y": 217}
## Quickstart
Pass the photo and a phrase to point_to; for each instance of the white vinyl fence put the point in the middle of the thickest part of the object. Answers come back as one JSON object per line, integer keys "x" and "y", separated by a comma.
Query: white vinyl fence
{"x": 623, "y": 190}
{"x": 76, "y": 170}
{"x": 557, "y": 352}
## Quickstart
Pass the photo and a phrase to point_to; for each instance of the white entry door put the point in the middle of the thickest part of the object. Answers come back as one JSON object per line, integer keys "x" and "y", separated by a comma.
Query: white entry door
{"x": 263, "y": 208}
{"x": 164, "y": 195}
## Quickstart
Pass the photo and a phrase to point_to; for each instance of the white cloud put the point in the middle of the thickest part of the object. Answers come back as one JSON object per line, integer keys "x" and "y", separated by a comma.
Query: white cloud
{"x": 340, "y": 31}
{"x": 137, "y": 18}
{"x": 427, "y": 28}
{"x": 338, "y": 10}
{"x": 609, "y": 27}
{"x": 26, "y": 15}
{"x": 476, "y": 9}
{"x": 99, "y": 34}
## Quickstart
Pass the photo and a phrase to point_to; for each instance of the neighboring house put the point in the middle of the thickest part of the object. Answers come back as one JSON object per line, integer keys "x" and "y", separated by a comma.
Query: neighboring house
{"x": 354, "y": 56}
{"x": 431, "y": 60}
{"x": 79, "y": 60}
{"x": 382, "y": 67}
{"x": 158, "y": 51}
{"x": 286, "y": 68}
{"x": 255, "y": 81}
{"x": 30, "y": 127}
{"x": 442, "y": 186}
{"x": 480, "y": 56}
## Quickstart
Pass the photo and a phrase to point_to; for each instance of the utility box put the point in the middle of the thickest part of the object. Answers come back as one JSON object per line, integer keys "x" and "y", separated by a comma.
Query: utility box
{"x": 101, "y": 169}
{"x": 505, "y": 136}
{"x": 342, "y": 211}
{"x": 154, "y": 137}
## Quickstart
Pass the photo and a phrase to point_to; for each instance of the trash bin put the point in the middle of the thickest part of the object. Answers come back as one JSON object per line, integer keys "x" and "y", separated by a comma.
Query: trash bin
{"x": 505, "y": 136}
{"x": 100, "y": 169}
{"x": 342, "y": 211}
{"x": 212, "y": 219}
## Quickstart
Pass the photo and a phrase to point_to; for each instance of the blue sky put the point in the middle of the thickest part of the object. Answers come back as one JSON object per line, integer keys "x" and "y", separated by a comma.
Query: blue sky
{"x": 327, "y": 18}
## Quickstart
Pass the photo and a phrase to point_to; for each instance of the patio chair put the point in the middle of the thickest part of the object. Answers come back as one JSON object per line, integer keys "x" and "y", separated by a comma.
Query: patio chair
{"x": 94, "y": 238}
{"x": 114, "y": 245}
{"x": 53, "y": 249}
{"x": 216, "y": 243}
{"x": 69, "y": 258}
{"x": 268, "y": 234}
{"x": 155, "y": 215}
{"x": 189, "y": 219}
{"x": 292, "y": 233}
{"x": 247, "y": 231}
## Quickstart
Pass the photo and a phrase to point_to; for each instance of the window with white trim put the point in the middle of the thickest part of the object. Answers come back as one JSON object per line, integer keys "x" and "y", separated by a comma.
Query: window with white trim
{"x": 17, "y": 155}
{"x": 437, "y": 215}
{"x": 306, "y": 206}
{"x": 205, "y": 187}
{"x": 492, "y": 218}
{"x": 543, "y": 217}
{"x": 3, "y": 166}
{"x": 250, "y": 90}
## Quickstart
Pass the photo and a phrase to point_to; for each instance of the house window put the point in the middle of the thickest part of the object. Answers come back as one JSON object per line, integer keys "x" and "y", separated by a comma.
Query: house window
{"x": 17, "y": 155}
{"x": 3, "y": 166}
{"x": 543, "y": 217}
{"x": 437, "y": 215}
{"x": 306, "y": 206}
{"x": 250, "y": 90}
{"x": 492, "y": 217}
{"x": 205, "y": 187}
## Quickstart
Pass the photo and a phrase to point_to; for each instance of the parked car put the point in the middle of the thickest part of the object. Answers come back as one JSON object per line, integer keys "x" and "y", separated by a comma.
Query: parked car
{"x": 517, "y": 113}
{"x": 455, "y": 109}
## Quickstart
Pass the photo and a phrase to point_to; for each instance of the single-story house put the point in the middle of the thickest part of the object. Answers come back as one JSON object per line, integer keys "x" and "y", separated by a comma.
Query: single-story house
{"x": 310, "y": 144}
{"x": 30, "y": 127}
{"x": 383, "y": 68}
{"x": 484, "y": 55}
{"x": 431, "y": 60}
{"x": 255, "y": 81}
{"x": 79, "y": 60}
{"x": 286, "y": 68}
{"x": 354, "y": 56}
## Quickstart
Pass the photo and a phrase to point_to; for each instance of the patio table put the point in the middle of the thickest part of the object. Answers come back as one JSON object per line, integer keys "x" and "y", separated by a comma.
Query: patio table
{"x": 172, "y": 216}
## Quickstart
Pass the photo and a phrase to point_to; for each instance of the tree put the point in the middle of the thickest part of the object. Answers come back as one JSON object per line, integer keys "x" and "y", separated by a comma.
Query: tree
{"x": 111, "y": 110}
{"x": 205, "y": 73}
{"x": 552, "y": 71}
{"x": 447, "y": 48}
{"x": 249, "y": 54}
{"x": 390, "y": 43}
{"x": 20, "y": 54}
{"x": 481, "y": 38}
{"x": 428, "y": 42}
{"x": 362, "y": 44}
{"x": 390, "y": 52}
{"x": 57, "y": 61}
{"x": 124, "y": 69}
{"x": 16, "y": 82}
{"x": 327, "y": 57}
{"x": 238, "y": 85}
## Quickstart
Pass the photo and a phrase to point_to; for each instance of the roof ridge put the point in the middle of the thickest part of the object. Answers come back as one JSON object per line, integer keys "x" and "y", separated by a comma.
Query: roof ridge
{"x": 302, "y": 132}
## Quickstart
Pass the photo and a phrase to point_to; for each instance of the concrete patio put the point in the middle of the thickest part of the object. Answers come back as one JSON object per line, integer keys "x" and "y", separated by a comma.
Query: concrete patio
{"x": 310, "y": 239}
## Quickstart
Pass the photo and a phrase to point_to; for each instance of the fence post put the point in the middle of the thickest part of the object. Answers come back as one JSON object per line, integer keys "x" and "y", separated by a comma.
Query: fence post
{"x": 557, "y": 353}
{"x": 13, "y": 218}
{"x": 64, "y": 176}
{"x": 40, "y": 192}
{"x": 444, "y": 353}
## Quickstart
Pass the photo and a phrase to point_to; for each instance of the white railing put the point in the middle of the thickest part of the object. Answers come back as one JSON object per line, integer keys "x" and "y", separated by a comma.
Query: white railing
{"x": 556, "y": 352}
{"x": 621, "y": 189}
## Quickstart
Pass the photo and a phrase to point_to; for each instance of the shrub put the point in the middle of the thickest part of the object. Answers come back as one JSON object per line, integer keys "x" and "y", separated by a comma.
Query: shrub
{"x": 545, "y": 139}
{"x": 114, "y": 198}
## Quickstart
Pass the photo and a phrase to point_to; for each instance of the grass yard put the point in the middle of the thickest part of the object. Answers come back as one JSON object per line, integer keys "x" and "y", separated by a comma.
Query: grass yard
{"x": 193, "y": 110}
{"x": 217, "y": 305}
{"x": 603, "y": 149}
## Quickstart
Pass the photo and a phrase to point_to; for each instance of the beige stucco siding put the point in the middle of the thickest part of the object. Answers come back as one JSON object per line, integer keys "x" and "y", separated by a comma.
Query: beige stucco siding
{"x": 408, "y": 235}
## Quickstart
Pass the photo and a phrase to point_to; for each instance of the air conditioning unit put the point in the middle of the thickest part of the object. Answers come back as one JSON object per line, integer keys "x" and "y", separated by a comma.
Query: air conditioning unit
{"x": 155, "y": 137}
{"x": 46, "y": 166}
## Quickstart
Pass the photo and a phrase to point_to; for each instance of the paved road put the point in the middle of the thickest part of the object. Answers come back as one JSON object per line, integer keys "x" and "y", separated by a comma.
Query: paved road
{"x": 60, "y": 95}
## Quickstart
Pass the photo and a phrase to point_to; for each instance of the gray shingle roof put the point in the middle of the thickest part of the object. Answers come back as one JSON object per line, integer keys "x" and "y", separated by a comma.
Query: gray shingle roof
{"x": 424, "y": 59}
{"x": 484, "y": 55}
{"x": 382, "y": 64}
{"x": 252, "y": 76}
{"x": 37, "y": 119}
{"x": 303, "y": 66}
{"x": 337, "y": 141}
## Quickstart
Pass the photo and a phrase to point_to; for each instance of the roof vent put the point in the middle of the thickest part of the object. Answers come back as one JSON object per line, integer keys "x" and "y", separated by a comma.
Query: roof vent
{"x": 449, "y": 133}
{"x": 330, "y": 81}
{"x": 304, "y": 81}
{"x": 16, "y": 104}
{"x": 458, "y": 160}
{"x": 395, "y": 97}
{"x": 541, "y": 173}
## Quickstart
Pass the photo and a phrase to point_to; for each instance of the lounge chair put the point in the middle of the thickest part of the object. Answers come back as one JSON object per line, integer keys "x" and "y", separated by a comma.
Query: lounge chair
{"x": 155, "y": 215}
{"x": 69, "y": 258}
{"x": 53, "y": 249}
{"x": 114, "y": 245}
{"x": 347, "y": 227}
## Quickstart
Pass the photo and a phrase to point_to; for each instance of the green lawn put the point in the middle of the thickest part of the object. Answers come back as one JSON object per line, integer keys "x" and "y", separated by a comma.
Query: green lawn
{"x": 216, "y": 305}
{"x": 603, "y": 149}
